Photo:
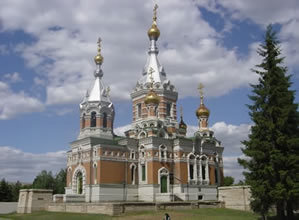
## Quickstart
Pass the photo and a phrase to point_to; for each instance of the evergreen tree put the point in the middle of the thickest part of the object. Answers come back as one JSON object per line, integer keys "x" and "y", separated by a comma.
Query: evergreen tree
{"x": 5, "y": 191}
{"x": 15, "y": 191}
{"x": 273, "y": 145}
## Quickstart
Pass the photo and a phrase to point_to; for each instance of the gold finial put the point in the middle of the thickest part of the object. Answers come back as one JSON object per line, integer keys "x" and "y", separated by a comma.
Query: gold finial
{"x": 200, "y": 89}
{"x": 99, "y": 58}
{"x": 155, "y": 12}
{"x": 154, "y": 31}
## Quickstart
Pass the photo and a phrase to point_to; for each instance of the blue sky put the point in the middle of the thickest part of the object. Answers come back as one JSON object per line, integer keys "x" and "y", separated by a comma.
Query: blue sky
{"x": 46, "y": 60}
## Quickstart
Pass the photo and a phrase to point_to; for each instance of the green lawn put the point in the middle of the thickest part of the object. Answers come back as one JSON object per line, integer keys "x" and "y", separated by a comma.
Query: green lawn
{"x": 202, "y": 214}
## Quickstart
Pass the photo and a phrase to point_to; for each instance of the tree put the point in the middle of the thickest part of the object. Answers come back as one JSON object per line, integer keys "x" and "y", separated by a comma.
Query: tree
{"x": 273, "y": 145}
{"x": 44, "y": 180}
{"x": 15, "y": 188}
{"x": 60, "y": 182}
{"x": 228, "y": 181}
{"x": 5, "y": 191}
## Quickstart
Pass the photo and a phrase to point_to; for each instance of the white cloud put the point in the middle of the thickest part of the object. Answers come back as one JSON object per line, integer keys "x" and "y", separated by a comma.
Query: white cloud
{"x": 12, "y": 77}
{"x": 13, "y": 104}
{"x": 24, "y": 166}
{"x": 62, "y": 54}
{"x": 120, "y": 130}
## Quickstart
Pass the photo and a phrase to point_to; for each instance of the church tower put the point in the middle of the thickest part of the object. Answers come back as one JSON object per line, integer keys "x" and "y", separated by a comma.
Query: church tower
{"x": 154, "y": 97}
{"x": 96, "y": 109}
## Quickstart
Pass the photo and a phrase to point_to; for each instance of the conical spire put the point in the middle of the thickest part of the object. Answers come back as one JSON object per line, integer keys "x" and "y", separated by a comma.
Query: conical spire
{"x": 152, "y": 60}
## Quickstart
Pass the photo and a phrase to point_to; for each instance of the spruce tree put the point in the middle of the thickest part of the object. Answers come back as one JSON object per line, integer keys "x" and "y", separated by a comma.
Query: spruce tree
{"x": 273, "y": 147}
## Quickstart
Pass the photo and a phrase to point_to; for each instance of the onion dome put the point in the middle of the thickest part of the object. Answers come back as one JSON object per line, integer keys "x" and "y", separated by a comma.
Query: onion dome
{"x": 182, "y": 124}
{"x": 154, "y": 32}
{"x": 202, "y": 111}
{"x": 152, "y": 98}
{"x": 98, "y": 59}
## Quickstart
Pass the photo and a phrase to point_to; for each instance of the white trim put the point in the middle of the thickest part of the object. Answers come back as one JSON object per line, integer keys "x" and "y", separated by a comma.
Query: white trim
{"x": 78, "y": 169}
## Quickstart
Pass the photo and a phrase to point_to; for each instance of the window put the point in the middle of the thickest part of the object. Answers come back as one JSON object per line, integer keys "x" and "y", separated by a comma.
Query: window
{"x": 191, "y": 171}
{"x": 139, "y": 112}
{"x": 163, "y": 152}
{"x": 216, "y": 176}
{"x": 132, "y": 155}
{"x": 93, "y": 120}
{"x": 133, "y": 174}
{"x": 141, "y": 152}
{"x": 95, "y": 173}
{"x": 168, "y": 109}
{"x": 104, "y": 120}
{"x": 143, "y": 172}
{"x": 203, "y": 172}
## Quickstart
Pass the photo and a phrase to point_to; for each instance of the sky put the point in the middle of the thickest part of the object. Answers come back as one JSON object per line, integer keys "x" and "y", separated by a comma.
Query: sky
{"x": 46, "y": 66}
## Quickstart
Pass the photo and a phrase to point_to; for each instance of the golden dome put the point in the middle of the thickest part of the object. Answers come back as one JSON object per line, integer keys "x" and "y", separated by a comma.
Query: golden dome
{"x": 98, "y": 59}
{"x": 202, "y": 111}
{"x": 152, "y": 98}
{"x": 154, "y": 31}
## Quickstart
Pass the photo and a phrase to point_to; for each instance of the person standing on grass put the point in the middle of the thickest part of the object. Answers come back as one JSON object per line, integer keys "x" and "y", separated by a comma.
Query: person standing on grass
{"x": 166, "y": 217}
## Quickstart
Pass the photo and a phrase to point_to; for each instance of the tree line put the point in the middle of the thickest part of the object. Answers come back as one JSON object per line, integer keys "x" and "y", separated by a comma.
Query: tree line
{"x": 9, "y": 192}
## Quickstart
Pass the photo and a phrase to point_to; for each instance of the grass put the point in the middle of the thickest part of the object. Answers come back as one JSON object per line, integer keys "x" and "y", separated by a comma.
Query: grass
{"x": 202, "y": 214}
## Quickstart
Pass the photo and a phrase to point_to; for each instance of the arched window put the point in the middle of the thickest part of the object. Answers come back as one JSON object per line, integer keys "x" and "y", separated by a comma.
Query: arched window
{"x": 133, "y": 168}
{"x": 79, "y": 183}
{"x": 104, "y": 120}
{"x": 93, "y": 119}
{"x": 168, "y": 109}
{"x": 163, "y": 152}
{"x": 191, "y": 162}
{"x": 163, "y": 180}
{"x": 95, "y": 172}
{"x": 141, "y": 152}
{"x": 216, "y": 175}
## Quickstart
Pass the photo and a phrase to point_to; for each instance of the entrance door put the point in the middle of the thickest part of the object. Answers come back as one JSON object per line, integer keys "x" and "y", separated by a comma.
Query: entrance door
{"x": 163, "y": 183}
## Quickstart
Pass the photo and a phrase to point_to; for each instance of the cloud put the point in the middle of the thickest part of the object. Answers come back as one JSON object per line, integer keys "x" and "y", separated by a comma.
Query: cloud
{"x": 64, "y": 46}
{"x": 13, "y": 104}
{"x": 121, "y": 130}
{"x": 12, "y": 77}
{"x": 24, "y": 166}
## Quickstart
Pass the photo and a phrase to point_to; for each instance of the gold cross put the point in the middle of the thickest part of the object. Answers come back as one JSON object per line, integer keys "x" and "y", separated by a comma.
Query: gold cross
{"x": 155, "y": 12}
{"x": 200, "y": 88}
{"x": 99, "y": 44}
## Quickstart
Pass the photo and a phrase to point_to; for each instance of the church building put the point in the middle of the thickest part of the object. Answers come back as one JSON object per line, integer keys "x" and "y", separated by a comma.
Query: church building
{"x": 154, "y": 160}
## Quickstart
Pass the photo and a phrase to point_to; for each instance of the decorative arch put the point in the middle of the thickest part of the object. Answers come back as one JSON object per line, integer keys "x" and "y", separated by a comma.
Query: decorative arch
{"x": 79, "y": 172}
{"x": 162, "y": 152}
{"x": 163, "y": 180}
{"x": 142, "y": 134}
{"x": 141, "y": 151}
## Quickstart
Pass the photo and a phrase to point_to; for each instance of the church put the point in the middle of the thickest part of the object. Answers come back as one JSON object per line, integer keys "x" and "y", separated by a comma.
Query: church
{"x": 154, "y": 161}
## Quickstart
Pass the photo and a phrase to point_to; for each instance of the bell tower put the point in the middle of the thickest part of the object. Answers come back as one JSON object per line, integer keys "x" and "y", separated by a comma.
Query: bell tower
{"x": 154, "y": 97}
{"x": 96, "y": 109}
